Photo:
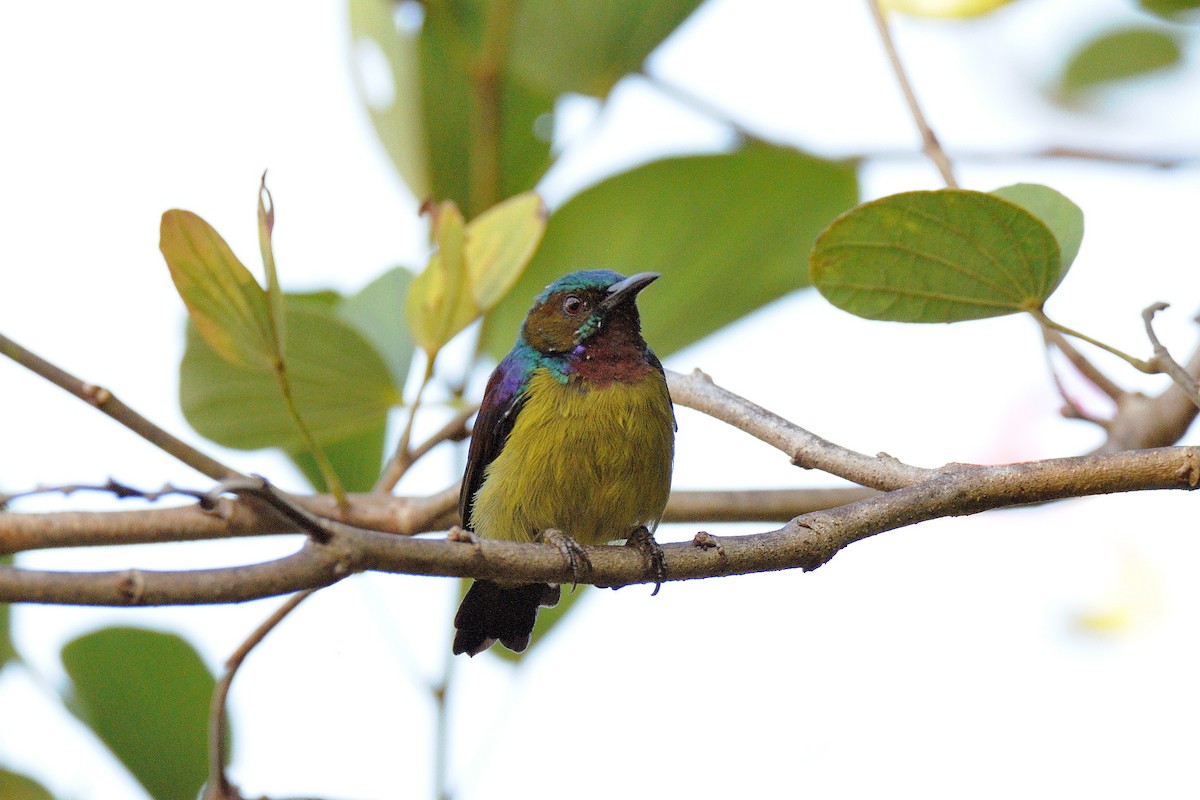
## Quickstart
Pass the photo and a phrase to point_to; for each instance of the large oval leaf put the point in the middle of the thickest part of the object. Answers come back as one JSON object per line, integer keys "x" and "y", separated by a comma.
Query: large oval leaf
{"x": 341, "y": 386}
{"x": 729, "y": 233}
{"x": 941, "y": 256}
{"x": 1062, "y": 217}
{"x": 146, "y": 695}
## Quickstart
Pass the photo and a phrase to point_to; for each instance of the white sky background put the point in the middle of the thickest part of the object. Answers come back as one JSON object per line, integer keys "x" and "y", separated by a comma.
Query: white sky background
{"x": 937, "y": 661}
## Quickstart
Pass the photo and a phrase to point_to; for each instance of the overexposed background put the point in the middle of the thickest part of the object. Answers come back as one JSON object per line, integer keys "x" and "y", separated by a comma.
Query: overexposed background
{"x": 945, "y": 660}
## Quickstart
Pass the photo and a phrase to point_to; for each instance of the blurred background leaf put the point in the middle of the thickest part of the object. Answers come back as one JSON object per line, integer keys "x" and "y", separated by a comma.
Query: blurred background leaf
{"x": 389, "y": 83}
{"x": 8, "y": 652}
{"x": 729, "y": 233}
{"x": 1174, "y": 10}
{"x": 589, "y": 49}
{"x": 941, "y": 256}
{"x": 146, "y": 695}
{"x": 945, "y": 8}
{"x": 1120, "y": 55}
{"x": 15, "y": 786}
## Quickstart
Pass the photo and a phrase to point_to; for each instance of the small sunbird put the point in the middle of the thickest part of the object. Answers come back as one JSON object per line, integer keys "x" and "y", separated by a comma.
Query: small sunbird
{"x": 576, "y": 434}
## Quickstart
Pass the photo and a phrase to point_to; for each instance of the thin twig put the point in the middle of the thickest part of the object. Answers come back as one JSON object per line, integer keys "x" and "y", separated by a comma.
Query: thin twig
{"x": 1163, "y": 360}
{"x": 455, "y": 430}
{"x": 697, "y": 390}
{"x": 932, "y": 148}
{"x": 1085, "y": 367}
{"x": 104, "y": 400}
{"x": 218, "y": 787}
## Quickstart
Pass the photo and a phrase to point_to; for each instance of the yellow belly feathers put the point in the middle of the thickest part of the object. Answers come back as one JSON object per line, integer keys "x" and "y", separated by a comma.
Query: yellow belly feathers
{"x": 595, "y": 464}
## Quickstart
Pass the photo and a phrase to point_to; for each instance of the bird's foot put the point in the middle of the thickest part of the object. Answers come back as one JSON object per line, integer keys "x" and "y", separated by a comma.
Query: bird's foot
{"x": 652, "y": 554}
{"x": 460, "y": 534}
{"x": 572, "y": 552}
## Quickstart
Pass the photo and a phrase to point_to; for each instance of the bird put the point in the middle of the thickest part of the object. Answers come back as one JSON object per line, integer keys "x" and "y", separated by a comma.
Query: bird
{"x": 575, "y": 437}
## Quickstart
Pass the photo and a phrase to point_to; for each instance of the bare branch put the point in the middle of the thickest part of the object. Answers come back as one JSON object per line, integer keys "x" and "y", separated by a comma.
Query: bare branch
{"x": 1162, "y": 360}
{"x": 103, "y": 400}
{"x": 806, "y": 449}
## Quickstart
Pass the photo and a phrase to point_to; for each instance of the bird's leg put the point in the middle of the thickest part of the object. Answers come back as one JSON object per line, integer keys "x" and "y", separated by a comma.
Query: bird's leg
{"x": 572, "y": 552}
{"x": 642, "y": 540}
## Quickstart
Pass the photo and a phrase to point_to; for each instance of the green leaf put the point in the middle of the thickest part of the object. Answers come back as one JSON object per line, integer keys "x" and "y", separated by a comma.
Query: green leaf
{"x": 439, "y": 303}
{"x": 591, "y": 48}
{"x": 396, "y": 114}
{"x": 940, "y": 256}
{"x": 377, "y": 312}
{"x": 729, "y": 232}
{"x": 8, "y": 652}
{"x": 946, "y": 9}
{"x": 1120, "y": 55}
{"x": 357, "y": 460}
{"x": 146, "y": 695}
{"x": 499, "y": 244}
{"x": 1174, "y": 10}
{"x": 341, "y": 385}
{"x": 1061, "y": 216}
{"x": 266, "y": 224}
{"x": 226, "y": 304}
{"x": 15, "y": 786}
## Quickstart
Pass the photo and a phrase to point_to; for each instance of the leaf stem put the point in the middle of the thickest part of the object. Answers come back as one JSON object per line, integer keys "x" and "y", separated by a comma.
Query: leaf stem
{"x": 932, "y": 147}
{"x": 1136, "y": 363}
{"x": 332, "y": 482}
{"x": 403, "y": 458}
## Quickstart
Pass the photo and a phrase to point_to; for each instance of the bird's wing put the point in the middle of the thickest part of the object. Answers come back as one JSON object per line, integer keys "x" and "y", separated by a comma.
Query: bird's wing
{"x": 502, "y": 401}
{"x": 654, "y": 362}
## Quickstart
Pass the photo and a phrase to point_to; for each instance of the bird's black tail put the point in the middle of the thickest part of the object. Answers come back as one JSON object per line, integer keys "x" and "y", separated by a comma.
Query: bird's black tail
{"x": 492, "y": 612}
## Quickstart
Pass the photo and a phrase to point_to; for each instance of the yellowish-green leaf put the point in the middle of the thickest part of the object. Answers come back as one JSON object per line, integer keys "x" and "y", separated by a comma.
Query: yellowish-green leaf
{"x": 15, "y": 786}
{"x": 439, "y": 301}
{"x": 945, "y": 8}
{"x": 266, "y": 224}
{"x": 226, "y": 304}
{"x": 499, "y": 244}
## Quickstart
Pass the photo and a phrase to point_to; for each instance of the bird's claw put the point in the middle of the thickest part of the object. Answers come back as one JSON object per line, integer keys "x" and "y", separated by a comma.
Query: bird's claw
{"x": 652, "y": 554}
{"x": 573, "y": 554}
{"x": 460, "y": 534}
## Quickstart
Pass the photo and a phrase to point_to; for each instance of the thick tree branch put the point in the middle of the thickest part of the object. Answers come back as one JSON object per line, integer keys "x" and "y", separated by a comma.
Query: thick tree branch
{"x": 406, "y": 516}
{"x": 807, "y": 542}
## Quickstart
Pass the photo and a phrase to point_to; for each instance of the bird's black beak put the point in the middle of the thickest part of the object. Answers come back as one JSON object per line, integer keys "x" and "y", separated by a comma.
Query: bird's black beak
{"x": 627, "y": 289}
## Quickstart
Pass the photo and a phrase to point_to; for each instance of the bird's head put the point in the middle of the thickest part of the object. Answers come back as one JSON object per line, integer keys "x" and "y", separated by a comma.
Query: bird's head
{"x": 583, "y": 305}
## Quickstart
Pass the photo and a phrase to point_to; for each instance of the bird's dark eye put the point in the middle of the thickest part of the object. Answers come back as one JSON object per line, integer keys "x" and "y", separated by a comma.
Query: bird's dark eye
{"x": 572, "y": 305}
